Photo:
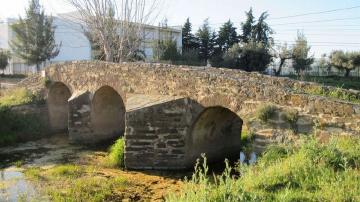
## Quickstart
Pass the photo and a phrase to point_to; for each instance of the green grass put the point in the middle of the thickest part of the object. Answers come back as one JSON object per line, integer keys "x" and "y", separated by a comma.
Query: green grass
{"x": 308, "y": 171}
{"x": 116, "y": 154}
{"x": 74, "y": 183}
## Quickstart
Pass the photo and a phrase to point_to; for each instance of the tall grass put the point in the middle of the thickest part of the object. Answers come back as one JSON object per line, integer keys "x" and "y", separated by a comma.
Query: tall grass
{"x": 311, "y": 171}
{"x": 116, "y": 154}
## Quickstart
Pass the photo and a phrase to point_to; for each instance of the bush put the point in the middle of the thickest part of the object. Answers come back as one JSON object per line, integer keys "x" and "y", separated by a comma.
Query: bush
{"x": 265, "y": 112}
{"x": 116, "y": 154}
{"x": 18, "y": 126}
{"x": 310, "y": 171}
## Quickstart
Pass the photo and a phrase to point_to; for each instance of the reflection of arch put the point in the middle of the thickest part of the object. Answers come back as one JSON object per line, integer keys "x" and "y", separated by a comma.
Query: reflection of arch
{"x": 216, "y": 132}
{"x": 58, "y": 105}
{"x": 108, "y": 113}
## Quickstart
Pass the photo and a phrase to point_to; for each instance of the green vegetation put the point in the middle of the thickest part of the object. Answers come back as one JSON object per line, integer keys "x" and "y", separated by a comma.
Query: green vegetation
{"x": 17, "y": 96}
{"x": 309, "y": 171}
{"x": 336, "y": 81}
{"x": 265, "y": 112}
{"x": 116, "y": 154}
{"x": 34, "y": 39}
{"x": 291, "y": 116}
{"x": 18, "y": 126}
{"x": 337, "y": 93}
{"x": 76, "y": 183}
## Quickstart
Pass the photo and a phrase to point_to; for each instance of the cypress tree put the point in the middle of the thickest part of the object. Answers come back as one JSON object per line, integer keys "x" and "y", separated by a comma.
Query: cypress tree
{"x": 227, "y": 36}
{"x": 206, "y": 40}
{"x": 188, "y": 39}
{"x": 248, "y": 27}
{"x": 34, "y": 39}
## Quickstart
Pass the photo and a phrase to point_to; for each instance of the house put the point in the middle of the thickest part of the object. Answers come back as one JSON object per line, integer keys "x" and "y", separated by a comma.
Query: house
{"x": 75, "y": 45}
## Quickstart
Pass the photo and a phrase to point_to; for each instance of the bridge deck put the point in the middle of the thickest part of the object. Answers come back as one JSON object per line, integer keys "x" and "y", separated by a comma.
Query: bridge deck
{"x": 138, "y": 101}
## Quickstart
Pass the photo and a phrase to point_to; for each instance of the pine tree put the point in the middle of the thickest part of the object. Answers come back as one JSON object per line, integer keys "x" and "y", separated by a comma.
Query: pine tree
{"x": 206, "y": 40}
{"x": 188, "y": 39}
{"x": 248, "y": 27}
{"x": 262, "y": 31}
{"x": 227, "y": 36}
{"x": 34, "y": 39}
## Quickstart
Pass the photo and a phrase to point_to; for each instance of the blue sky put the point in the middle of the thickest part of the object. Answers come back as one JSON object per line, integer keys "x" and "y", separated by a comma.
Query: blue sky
{"x": 323, "y": 36}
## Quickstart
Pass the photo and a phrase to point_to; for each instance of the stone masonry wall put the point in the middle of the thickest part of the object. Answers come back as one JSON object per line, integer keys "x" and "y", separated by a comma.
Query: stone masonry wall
{"x": 156, "y": 135}
{"x": 232, "y": 89}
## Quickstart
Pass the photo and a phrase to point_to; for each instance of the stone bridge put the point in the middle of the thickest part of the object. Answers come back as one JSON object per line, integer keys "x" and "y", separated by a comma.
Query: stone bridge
{"x": 169, "y": 115}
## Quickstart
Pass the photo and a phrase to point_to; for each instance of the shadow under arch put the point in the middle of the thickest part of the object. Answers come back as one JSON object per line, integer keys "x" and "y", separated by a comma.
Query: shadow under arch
{"x": 107, "y": 113}
{"x": 215, "y": 132}
{"x": 58, "y": 106}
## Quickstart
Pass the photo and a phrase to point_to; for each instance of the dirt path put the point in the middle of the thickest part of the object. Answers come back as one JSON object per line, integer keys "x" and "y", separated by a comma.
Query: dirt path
{"x": 55, "y": 151}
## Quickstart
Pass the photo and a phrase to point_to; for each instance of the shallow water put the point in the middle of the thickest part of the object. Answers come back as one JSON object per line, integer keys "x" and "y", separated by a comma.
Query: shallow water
{"x": 42, "y": 153}
{"x": 14, "y": 187}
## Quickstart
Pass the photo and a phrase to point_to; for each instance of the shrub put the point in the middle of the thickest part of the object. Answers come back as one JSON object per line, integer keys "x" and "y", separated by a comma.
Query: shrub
{"x": 18, "y": 96}
{"x": 116, "y": 154}
{"x": 16, "y": 126}
{"x": 291, "y": 116}
{"x": 265, "y": 112}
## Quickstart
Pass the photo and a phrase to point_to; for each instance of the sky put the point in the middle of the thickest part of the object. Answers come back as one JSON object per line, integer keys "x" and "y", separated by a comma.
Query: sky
{"x": 325, "y": 31}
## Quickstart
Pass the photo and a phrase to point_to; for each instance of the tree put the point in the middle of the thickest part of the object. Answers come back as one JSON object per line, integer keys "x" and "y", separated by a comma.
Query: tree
{"x": 206, "y": 41}
{"x": 247, "y": 27}
{"x": 345, "y": 60}
{"x": 166, "y": 50}
{"x": 118, "y": 27}
{"x": 249, "y": 56}
{"x": 227, "y": 36}
{"x": 34, "y": 39}
{"x": 261, "y": 31}
{"x": 4, "y": 59}
{"x": 301, "y": 60}
{"x": 188, "y": 39}
{"x": 324, "y": 63}
{"x": 283, "y": 53}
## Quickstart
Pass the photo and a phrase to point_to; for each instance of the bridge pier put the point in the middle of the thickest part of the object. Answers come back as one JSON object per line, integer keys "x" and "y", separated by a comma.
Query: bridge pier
{"x": 156, "y": 135}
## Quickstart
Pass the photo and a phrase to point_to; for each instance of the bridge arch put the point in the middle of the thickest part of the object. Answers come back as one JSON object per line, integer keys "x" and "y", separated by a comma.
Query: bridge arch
{"x": 107, "y": 113}
{"x": 215, "y": 132}
{"x": 58, "y": 106}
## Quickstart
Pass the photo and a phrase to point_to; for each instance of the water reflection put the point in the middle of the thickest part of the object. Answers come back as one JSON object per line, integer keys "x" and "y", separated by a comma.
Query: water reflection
{"x": 14, "y": 187}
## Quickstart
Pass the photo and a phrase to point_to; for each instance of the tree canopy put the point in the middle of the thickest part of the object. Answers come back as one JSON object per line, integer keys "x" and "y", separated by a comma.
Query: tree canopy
{"x": 206, "y": 40}
{"x": 301, "y": 60}
{"x": 4, "y": 59}
{"x": 34, "y": 39}
{"x": 345, "y": 60}
{"x": 188, "y": 39}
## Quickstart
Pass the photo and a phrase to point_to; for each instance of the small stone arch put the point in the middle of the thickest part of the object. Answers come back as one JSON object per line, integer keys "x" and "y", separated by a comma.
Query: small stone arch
{"x": 217, "y": 133}
{"x": 107, "y": 113}
{"x": 58, "y": 107}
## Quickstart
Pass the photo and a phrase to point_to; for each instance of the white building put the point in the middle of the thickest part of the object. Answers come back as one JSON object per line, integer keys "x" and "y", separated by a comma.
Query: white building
{"x": 75, "y": 45}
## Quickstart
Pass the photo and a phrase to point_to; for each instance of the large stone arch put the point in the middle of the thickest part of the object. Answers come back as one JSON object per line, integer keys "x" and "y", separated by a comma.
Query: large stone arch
{"x": 107, "y": 113}
{"x": 58, "y": 106}
{"x": 217, "y": 133}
